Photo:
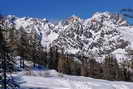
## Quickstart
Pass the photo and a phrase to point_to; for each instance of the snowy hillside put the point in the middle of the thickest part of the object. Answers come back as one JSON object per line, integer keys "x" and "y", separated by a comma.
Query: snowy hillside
{"x": 102, "y": 34}
{"x": 51, "y": 79}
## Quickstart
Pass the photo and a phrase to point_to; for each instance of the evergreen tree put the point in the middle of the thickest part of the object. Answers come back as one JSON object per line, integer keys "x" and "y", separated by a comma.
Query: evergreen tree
{"x": 22, "y": 46}
{"x": 53, "y": 58}
{"x": 7, "y": 63}
{"x": 111, "y": 68}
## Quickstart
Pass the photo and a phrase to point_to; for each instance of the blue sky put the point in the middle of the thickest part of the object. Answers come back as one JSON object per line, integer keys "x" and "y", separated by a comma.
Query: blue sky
{"x": 60, "y": 9}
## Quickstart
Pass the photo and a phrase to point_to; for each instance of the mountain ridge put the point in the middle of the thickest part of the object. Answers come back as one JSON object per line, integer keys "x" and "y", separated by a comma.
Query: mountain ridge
{"x": 102, "y": 34}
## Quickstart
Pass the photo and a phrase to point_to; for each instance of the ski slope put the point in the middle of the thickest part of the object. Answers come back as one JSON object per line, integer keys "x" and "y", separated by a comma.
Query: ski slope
{"x": 51, "y": 79}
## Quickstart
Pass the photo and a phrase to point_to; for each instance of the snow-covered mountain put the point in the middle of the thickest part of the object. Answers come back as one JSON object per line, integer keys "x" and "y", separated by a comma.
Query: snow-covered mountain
{"x": 102, "y": 34}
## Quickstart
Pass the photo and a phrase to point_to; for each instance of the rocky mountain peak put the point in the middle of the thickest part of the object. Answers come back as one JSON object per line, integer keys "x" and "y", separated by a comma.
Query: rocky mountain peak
{"x": 101, "y": 34}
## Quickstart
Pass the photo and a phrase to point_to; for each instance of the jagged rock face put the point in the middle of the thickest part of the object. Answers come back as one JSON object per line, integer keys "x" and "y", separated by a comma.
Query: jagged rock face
{"x": 103, "y": 33}
{"x": 98, "y": 35}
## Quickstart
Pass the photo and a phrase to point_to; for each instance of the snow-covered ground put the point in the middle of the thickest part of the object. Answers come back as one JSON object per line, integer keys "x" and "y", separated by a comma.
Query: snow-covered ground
{"x": 50, "y": 79}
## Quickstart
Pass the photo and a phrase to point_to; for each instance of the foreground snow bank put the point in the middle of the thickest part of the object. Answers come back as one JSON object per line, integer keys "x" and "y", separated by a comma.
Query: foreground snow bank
{"x": 56, "y": 80}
